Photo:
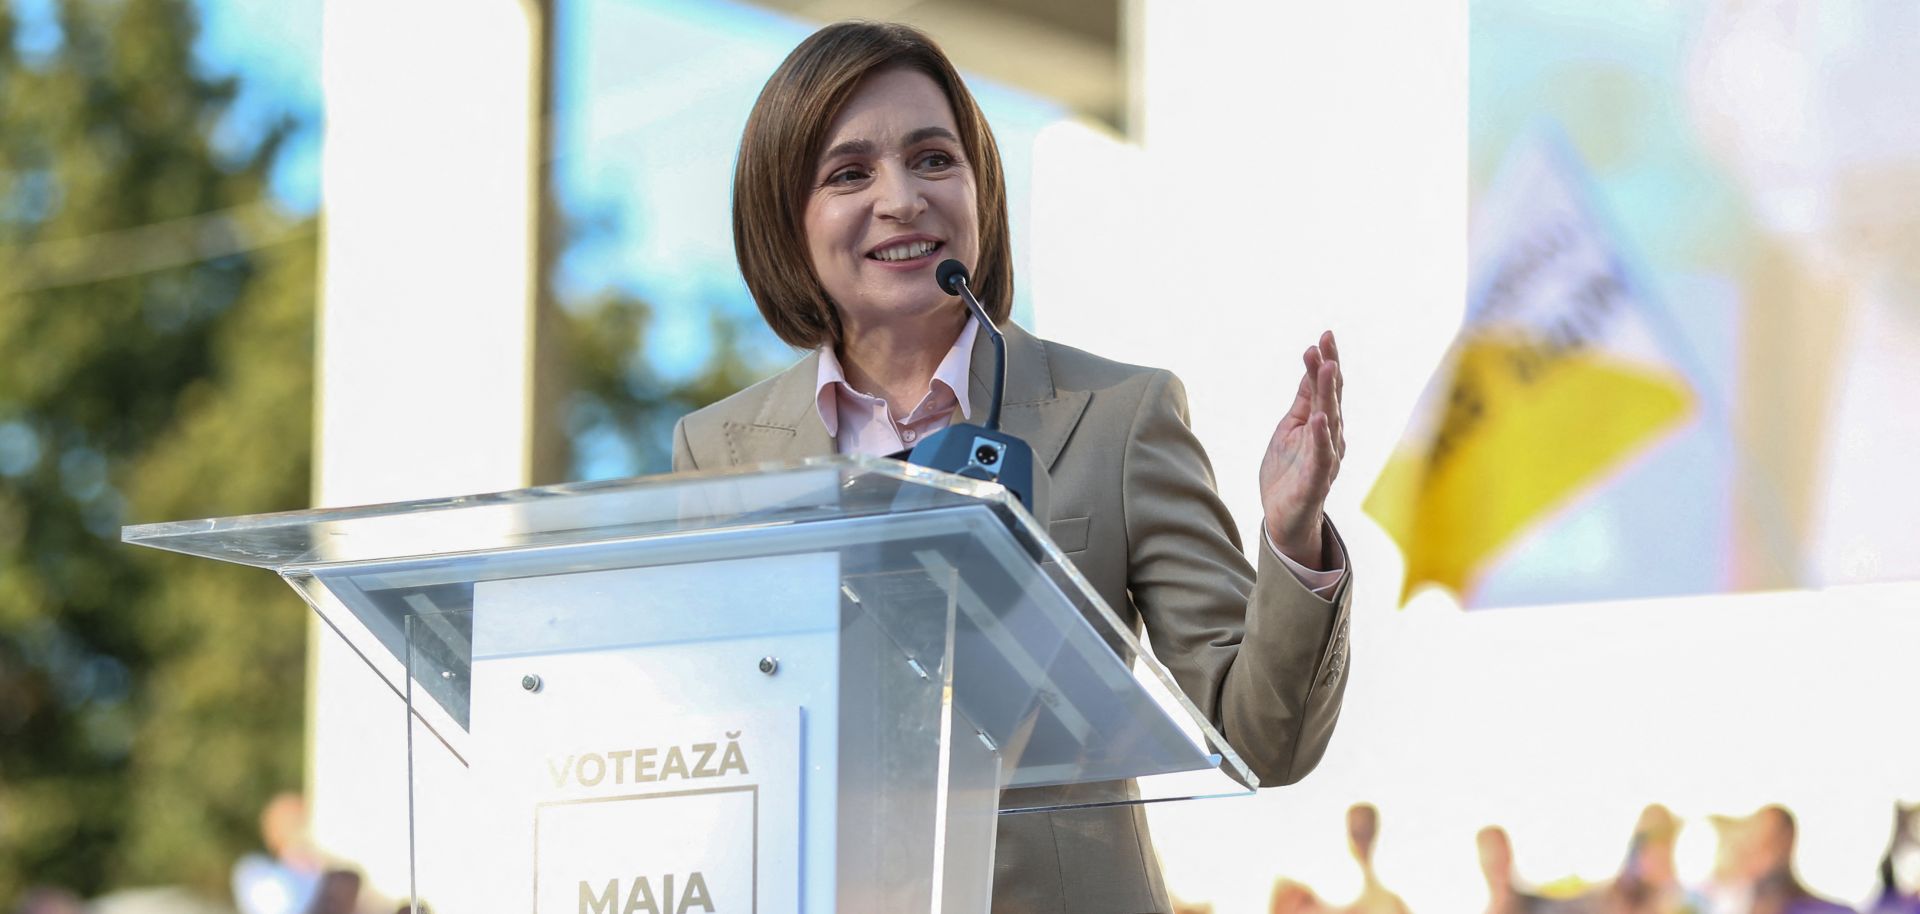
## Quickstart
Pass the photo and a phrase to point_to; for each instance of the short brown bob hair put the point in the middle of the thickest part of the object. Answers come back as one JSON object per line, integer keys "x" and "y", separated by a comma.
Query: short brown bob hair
{"x": 779, "y": 152}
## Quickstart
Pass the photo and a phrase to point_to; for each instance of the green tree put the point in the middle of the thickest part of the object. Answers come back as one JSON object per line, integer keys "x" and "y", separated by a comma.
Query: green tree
{"x": 156, "y": 362}
{"x": 619, "y": 411}
{"x": 156, "y": 324}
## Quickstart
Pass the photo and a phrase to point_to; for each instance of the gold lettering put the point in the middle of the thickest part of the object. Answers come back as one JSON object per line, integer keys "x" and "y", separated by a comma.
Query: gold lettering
{"x": 643, "y": 765}
{"x": 640, "y": 897}
{"x": 701, "y": 768}
{"x": 696, "y": 892}
{"x": 560, "y": 773}
{"x": 603, "y": 904}
{"x": 599, "y": 769}
{"x": 620, "y": 757}
{"x": 733, "y": 759}
{"x": 675, "y": 762}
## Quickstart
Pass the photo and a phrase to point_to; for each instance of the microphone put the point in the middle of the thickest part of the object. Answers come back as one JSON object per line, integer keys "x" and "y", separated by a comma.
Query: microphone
{"x": 971, "y": 450}
{"x": 952, "y": 276}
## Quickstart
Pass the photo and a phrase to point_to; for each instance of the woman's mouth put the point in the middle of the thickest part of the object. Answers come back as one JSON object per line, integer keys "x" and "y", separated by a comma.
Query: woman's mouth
{"x": 905, "y": 251}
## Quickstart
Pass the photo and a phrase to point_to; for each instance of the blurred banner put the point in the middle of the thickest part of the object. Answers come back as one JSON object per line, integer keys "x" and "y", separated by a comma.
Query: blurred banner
{"x": 1746, "y": 179}
{"x": 1555, "y": 382}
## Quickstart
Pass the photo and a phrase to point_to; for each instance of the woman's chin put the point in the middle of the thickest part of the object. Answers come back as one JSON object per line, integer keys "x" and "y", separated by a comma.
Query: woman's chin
{"x": 879, "y": 311}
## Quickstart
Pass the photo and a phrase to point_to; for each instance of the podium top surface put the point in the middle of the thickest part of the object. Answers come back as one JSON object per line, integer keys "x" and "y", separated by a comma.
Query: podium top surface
{"x": 569, "y": 513}
{"x": 1052, "y": 666}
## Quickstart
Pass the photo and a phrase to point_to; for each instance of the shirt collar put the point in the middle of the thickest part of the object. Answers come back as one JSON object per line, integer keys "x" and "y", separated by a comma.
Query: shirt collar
{"x": 952, "y": 372}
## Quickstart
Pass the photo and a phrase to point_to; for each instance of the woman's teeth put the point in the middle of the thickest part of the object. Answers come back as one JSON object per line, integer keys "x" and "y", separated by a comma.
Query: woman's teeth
{"x": 906, "y": 251}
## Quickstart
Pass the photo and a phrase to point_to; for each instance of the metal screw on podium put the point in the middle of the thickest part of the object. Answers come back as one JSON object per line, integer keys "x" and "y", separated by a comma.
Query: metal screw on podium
{"x": 530, "y": 682}
{"x": 769, "y": 665}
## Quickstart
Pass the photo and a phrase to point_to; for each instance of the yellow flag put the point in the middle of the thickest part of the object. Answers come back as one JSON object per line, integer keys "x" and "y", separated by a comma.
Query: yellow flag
{"x": 1554, "y": 381}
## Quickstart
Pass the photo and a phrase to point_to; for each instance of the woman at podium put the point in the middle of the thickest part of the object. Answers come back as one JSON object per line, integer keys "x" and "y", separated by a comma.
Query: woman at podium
{"x": 866, "y": 163}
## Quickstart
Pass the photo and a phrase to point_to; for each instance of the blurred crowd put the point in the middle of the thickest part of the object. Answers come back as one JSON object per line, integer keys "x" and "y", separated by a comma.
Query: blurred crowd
{"x": 1752, "y": 873}
{"x": 290, "y": 876}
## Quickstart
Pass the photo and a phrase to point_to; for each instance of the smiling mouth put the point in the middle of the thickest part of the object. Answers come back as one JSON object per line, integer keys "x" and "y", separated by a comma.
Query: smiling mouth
{"x": 910, "y": 250}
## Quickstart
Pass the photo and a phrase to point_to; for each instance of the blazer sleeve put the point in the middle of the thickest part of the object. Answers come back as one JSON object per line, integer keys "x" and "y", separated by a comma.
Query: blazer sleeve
{"x": 1261, "y": 655}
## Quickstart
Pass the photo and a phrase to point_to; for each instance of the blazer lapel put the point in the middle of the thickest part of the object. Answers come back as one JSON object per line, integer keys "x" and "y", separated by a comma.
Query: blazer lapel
{"x": 788, "y": 426}
{"x": 1034, "y": 411}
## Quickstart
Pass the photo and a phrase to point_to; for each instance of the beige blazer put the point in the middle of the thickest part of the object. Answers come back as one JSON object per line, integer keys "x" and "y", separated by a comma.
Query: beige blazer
{"x": 1133, "y": 506}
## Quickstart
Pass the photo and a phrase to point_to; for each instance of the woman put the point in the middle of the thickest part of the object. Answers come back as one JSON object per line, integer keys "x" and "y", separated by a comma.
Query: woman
{"x": 865, "y": 163}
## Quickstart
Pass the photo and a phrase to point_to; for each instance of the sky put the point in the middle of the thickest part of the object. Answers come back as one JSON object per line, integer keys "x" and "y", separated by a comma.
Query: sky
{"x": 273, "y": 46}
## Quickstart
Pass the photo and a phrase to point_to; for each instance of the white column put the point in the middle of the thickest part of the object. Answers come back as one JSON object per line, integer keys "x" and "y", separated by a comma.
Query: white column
{"x": 431, "y": 186}
{"x": 1303, "y": 167}
{"x": 1307, "y": 169}
{"x": 1294, "y": 168}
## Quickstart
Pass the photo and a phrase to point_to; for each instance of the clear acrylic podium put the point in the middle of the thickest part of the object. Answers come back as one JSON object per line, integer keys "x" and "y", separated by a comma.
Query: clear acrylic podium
{"x": 797, "y": 688}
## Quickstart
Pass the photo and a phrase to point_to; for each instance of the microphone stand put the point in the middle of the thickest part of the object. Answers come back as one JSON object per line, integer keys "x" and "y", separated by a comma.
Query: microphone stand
{"x": 959, "y": 281}
{"x": 975, "y": 451}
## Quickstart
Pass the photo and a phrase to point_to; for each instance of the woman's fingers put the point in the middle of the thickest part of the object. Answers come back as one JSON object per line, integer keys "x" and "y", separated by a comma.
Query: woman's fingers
{"x": 1304, "y": 398}
{"x": 1339, "y": 379}
{"x": 1321, "y": 461}
{"x": 1307, "y": 447}
{"x": 1336, "y": 382}
{"x": 1330, "y": 352}
{"x": 1327, "y": 404}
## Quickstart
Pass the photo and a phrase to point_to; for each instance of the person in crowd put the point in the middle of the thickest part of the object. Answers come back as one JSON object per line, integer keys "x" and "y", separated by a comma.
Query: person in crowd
{"x": 864, "y": 164}
{"x": 1900, "y": 866}
{"x": 1363, "y": 829}
{"x": 292, "y": 877}
{"x": 1290, "y": 897}
{"x": 1769, "y": 840}
{"x": 1753, "y": 868}
{"x": 1648, "y": 882}
{"x": 49, "y": 900}
{"x": 1727, "y": 889}
{"x": 1504, "y": 895}
{"x": 287, "y": 877}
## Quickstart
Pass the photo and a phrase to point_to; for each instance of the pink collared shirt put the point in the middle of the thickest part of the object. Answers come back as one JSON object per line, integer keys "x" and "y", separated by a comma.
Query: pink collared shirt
{"x": 863, "y": 424}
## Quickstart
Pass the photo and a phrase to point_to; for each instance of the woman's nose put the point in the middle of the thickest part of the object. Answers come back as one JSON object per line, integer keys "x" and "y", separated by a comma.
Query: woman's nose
{"x": 899, "y": 196}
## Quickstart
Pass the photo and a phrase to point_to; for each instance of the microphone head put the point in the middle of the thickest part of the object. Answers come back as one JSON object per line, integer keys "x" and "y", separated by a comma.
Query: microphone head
{"x": 950, "y": 274}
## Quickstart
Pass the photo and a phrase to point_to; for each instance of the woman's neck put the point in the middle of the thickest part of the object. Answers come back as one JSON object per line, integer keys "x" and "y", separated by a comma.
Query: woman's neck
{"x": 896, "y": 362}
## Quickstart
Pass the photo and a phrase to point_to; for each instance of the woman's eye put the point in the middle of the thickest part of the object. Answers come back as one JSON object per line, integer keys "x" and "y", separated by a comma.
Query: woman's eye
{"x": 845, "y": 176}
{"x": 936, "y": 160}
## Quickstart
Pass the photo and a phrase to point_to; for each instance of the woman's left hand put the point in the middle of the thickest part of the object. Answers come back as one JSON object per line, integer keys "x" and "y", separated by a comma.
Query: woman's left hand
{"x": 1303, "y": 458}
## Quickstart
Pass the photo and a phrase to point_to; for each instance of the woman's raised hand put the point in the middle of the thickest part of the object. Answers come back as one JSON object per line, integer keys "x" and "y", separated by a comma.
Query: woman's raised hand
{"x": 1303, "y": 459}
